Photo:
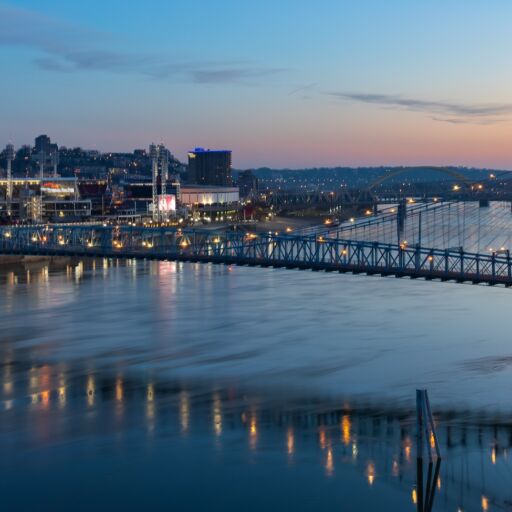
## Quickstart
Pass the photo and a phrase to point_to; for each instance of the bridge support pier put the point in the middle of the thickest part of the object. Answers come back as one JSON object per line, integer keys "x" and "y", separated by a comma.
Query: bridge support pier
{"x": 401, "y": 215}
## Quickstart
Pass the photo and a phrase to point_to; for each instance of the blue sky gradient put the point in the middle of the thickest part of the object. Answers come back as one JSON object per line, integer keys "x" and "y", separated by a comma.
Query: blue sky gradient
{"x": 284, "y": 83}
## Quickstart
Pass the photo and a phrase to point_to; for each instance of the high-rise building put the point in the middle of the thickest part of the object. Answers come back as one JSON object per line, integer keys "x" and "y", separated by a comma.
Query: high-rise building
{"x": 209, "y": 167}
{"x": 46, "y": 153}
{"x": 42, "y": 145}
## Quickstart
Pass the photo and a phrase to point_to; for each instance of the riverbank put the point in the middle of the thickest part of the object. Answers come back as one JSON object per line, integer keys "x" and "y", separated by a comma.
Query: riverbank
{"x": 10, "y": 259}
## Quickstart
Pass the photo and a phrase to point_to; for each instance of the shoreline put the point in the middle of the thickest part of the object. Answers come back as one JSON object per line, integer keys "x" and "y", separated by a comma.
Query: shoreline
{"x": 10, "y": 259}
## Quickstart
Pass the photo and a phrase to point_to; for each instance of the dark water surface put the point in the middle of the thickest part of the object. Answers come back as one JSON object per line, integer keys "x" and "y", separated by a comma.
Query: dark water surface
{"x": 168, "y": 386}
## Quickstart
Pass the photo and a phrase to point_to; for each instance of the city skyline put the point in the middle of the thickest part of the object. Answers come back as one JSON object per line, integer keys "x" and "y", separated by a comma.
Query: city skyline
{"x": 334, "y": 84}
{"x": 255, "y": 255}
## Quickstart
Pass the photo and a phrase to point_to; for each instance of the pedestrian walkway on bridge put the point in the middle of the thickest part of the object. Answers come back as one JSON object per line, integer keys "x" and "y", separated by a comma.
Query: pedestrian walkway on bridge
{"x": 266, "y": 249}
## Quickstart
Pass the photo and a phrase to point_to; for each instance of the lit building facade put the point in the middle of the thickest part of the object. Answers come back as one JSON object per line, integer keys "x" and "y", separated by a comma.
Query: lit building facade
{"x": 211, "y": 204}
{"x": 47, "y": 199}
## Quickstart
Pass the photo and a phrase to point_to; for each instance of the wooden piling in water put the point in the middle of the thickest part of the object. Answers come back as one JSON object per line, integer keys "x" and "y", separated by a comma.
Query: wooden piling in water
{"x": 425, "y": 426}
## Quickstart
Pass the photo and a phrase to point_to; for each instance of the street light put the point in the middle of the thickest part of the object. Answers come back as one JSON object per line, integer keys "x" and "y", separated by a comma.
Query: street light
{"x": 501, "y": 250}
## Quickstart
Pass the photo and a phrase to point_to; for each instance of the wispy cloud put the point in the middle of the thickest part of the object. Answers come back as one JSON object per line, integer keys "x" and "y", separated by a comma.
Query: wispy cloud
{"x": 23, "y": 27}
{"x": 232, "y": 74}
{"x": 473, "y": 120}
{"x": 451, "y": 112}
{"x": 152, "y": 66}
{"x": 66, "y": 48}
{"x": 302, "y": 88}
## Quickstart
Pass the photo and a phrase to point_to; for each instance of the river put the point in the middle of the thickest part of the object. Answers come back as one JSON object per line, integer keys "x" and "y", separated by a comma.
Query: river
{"x": 175, "y": 386}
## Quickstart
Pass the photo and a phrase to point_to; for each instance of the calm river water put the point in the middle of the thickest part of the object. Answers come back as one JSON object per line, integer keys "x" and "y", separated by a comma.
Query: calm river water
{"x": 173, "y": 386}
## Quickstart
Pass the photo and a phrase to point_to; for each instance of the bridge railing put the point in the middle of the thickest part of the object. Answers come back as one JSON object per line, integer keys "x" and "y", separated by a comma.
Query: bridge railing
{"x": 262, "y": 249}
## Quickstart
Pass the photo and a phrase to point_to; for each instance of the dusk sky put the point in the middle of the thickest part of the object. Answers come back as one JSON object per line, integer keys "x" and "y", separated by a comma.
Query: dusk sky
{"x": 283, "y": 83}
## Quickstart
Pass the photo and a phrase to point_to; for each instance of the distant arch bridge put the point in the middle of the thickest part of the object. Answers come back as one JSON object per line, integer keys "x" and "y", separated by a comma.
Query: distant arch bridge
{"x": 458, "y": 176}
{"x": 369, "y": 195}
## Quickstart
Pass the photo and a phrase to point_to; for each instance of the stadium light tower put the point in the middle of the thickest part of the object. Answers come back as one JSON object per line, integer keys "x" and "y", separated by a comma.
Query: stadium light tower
{"x": 164, "y": 166}
{"x": 9, "y": 155}
{"x": 55, "y": 161}
{"x": 41, "y": 157}
{"x": 153, "y": 153}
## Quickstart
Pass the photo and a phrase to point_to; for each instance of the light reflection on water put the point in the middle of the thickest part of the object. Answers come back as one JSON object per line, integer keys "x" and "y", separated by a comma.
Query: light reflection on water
{"x": 375, "y": 447}
{"x": 162, "y": 364}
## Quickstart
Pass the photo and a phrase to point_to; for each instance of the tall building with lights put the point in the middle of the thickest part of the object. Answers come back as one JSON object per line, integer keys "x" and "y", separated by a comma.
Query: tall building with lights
{"x": 209, "y": 167}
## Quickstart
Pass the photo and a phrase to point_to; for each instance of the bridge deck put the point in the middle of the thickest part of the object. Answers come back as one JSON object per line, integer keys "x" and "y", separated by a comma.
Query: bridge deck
{"x": 288, "y": 251}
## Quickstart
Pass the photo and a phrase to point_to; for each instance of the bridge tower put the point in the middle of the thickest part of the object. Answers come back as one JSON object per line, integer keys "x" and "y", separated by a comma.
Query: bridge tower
{"x": 9, "y": 155}
{"x": 400, "y": 218}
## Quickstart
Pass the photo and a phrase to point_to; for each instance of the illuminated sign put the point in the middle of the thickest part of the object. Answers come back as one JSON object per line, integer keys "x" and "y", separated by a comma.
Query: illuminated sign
{"x": 209, "y": 196}
{"x": 167, "y": 203}
{"x": 53, "y": 187}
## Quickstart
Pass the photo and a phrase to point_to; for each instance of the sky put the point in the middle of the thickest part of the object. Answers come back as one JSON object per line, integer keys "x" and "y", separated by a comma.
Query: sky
{"x": 282, "y": 83}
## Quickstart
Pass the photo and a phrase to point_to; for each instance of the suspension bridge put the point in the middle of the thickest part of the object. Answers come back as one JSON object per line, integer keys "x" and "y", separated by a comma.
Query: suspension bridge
{"x": 444, "y": 225}
{"x": 428, "y": 241}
